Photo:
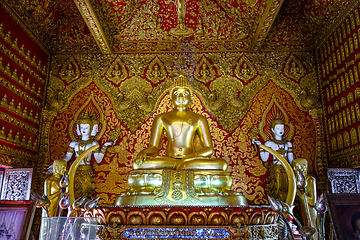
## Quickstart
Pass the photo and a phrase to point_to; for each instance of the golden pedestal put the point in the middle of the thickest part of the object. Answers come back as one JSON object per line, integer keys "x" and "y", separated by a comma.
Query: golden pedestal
{"x": 184, "y": 187}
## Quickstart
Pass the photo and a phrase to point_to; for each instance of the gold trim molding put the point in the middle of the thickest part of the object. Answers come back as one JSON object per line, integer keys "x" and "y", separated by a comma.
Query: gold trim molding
{"x": 92, "y": 21}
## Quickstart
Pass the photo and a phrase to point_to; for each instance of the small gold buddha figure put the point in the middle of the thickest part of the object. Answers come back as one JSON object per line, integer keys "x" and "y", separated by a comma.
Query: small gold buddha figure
{"x": 204, "y": 72}
{"x": 70, "y": 71}
{"x": 182, "y": 128}
{"x": 277, "y": 184}
{"x": 86, "y": 127}
{"x": 294, "y": 69}
{"x": 52, "y": 186}
{"x": 116, "y": 72}
{"x": 187, "y": 174}
{"x": 156, "y": 73}
{"x": 306, "y": 192}
{"x": 245, "y": 70}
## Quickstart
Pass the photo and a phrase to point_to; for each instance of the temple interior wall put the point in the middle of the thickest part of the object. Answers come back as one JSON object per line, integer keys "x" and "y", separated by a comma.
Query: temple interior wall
{"x": 338, "y": 61}
{"x": 23, "y": 79}
{"x": 239, "y": 92}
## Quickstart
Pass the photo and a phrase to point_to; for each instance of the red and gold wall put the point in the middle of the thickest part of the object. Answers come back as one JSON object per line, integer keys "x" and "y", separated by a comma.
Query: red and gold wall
{"x": 339, "y": 63}
{"x": 23, "y": 70}
{"x": 239, "y": 94}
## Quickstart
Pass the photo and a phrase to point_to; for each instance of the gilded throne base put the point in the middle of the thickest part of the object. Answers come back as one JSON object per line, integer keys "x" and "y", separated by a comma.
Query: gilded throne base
{"x": 184, "y": 187}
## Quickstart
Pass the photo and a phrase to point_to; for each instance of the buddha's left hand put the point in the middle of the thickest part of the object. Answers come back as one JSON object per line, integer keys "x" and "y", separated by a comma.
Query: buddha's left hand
{"x": 140, "y": 158}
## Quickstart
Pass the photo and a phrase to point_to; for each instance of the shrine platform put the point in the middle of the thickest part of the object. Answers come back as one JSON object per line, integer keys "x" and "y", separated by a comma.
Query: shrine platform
{"x": 186, "y": 222}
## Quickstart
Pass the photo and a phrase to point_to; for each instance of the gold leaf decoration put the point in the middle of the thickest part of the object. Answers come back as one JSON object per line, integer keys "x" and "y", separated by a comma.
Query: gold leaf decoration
{"x": 117, "y": 71}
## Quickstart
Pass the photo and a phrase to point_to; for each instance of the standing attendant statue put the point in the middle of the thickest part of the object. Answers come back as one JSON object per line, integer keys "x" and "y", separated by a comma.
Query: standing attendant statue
{"x": 52, "y": 188}
{"x": 277, "y": 183}
{"x": 306, "y": 190}
{"x": 86, "y": 127}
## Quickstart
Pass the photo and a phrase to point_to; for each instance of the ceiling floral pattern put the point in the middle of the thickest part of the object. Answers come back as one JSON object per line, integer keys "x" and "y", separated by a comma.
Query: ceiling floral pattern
{"x": 146, "y": 26}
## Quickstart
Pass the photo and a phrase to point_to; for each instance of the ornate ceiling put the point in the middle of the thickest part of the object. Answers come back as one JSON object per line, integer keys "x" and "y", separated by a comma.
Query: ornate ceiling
{"x": 111, "y": 26}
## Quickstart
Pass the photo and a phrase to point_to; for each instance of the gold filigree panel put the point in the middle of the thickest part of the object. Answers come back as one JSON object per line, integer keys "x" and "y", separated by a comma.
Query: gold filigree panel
{"x": 294, "y": 68}
{"x": 156, "y": 71}
{"x": 269, "y": 115}
{"x": 224, "y": 102}
{"x": 70, "y": 70}
{"x": 135, "y": 106}
{"x": 117, "y": 71}
{"x": 244, "y": 69}
{"x": 154, "y": 67}
{"x": 204, "y": 71}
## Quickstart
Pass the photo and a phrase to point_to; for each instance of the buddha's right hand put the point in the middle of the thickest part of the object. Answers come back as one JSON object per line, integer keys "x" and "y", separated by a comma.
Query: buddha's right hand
{"x": 140, "y": 158}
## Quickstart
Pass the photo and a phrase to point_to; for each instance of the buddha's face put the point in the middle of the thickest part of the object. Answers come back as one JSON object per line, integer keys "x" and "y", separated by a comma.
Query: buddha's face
{"x": 278, "y": 130}
{"x": 85, "y": 129}
{"x": 181, "y": 97}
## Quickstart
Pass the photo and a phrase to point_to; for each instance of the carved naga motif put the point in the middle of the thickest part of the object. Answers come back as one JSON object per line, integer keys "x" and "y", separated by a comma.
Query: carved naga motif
{"x": 135, "y": 106}
{"x": 224, "y": 102}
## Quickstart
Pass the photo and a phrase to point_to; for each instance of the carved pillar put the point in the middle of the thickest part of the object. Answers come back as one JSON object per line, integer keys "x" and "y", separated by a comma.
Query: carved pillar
{"x": 320, "y": 158}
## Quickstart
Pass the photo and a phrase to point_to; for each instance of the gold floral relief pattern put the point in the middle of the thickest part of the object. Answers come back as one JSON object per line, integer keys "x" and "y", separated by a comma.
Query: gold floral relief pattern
{"x": 135, "y": 106}
{"x": 224, "y": 101}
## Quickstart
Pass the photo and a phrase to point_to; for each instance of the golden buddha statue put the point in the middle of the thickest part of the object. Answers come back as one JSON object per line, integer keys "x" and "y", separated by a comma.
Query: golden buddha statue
{"x": 306, "y": 192}
{"x": 52, "y": 186}
{"x": 277, "y": 183}
{"x": 181, "y": 126}
{"x": 188, "y": 156}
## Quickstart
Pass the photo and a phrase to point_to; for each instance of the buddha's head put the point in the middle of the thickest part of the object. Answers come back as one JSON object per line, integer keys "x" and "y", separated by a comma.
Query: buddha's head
{"x": 181, "y": 94}
{"x": 86, "y": 125}
{"x": 300, "y": 164}
{"x": 59, "y": 166}
{"x": 278, "y": 126}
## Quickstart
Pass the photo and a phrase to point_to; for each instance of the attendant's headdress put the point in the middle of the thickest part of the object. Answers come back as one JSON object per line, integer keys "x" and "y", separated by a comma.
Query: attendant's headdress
{"x": 86, "y": 119}
{"x": 277, "y": 121}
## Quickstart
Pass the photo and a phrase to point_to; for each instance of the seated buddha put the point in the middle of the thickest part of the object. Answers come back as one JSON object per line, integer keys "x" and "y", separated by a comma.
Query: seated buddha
{"x": 184, "y": 130}
{"x": 186, "y": 175}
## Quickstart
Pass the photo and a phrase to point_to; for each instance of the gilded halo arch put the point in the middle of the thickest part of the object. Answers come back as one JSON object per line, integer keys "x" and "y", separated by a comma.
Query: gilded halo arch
{"x": 100, "y": 117}
{"x": 266, "y": 120}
